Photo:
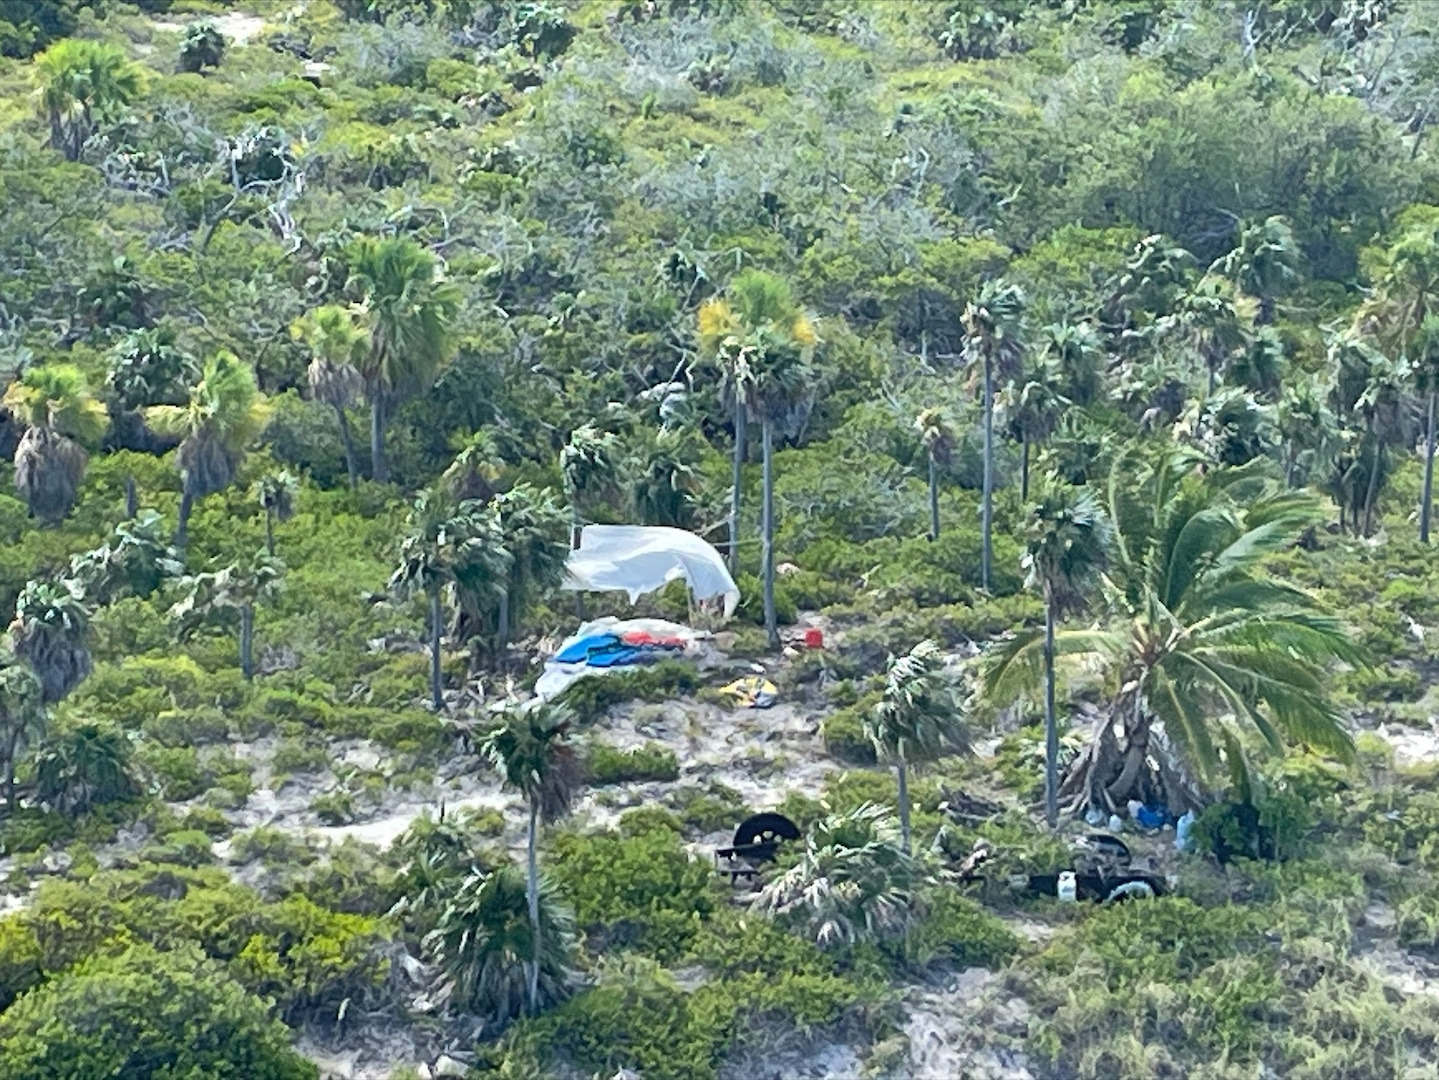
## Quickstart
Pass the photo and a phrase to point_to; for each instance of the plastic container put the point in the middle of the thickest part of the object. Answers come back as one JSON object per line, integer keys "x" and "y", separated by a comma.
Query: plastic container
{"x": 813, "y": 637}
{"x": 1068, "y": 887}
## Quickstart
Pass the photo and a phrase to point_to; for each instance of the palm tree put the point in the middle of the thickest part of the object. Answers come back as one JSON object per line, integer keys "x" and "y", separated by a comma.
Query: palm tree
{"x": 1263, "y": 264}
{"x": 1307, "y": 429}
{"x": 1037, "y": 405}
{"x": 203, "y": 46}
{"x": 1147, "y": 289}
{"x": 917, "y": 720}
{"x": 79, "y": 84}
{"x": 239, "y": 588}
{"x": 146, "y": 367}
{"x": 407, "y": 309}
{"x": 664, "y": 477}
{"x": 1195, "y": 629}
{"x": 1381, "y": 405}
{"x": 276, "y": 493}
{"x": 1074, "y": 349}
{"x": 531, "y": 752}
{"x": 449, "y": 545}
{"x": 134, "y": 562}
{"x": 22, "y": 718}
{"x": 225, "y": 412}
{"x": 50, "y": 633}
{"x": 476, "y": 468}
{"x": 1069, "y": 542}
{"x": 993, "y": 339}
{"x": 84, "y": 766}
{"x": 1211, "y": 323}
{"x": 534, "y": 530}
{"x": 853, "y": 883}
{"x": 588, "y": 467}
{"x": 337, "y": 344}
{"x": 937, "y": 438}
{"x": 54, "y": 405}
{"x": 763, "y": 341}
{"x": 1259, "y": 368}
{"x": 486, "y": 945}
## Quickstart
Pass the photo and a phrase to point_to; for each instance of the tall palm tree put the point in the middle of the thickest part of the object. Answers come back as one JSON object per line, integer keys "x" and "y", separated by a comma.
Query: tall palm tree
{"x": 79, "y": 84}
{"x": 84, "y": 766}
{"x": 455, "y": 546}
{"x": 1074, "y": 349}
{"x": 589, "y": 466}
{"x": 1035, "y": 408}
{"x": 1307, "y": 428}
{"x": 486, "y": 944}
{"x": 937, "y": 438}
{"x": 408, "y": 311}
{"x": 1196, "y": 632}
{"x": 22, "y": 718}
{"x": 477, "y": 467}
{"x": 54, "y": 405}
{"x": 276, "y": 492}
{"x": 1069, "y": 542}
{"x": 337, "y": 345}
{"x": 1382, "y": 407}
{"x": 530, "y": 750}
{"x": 50, "y": 632}
{"x": 994, "y": 339}
{"x": 763, "y": 341}
{"x": 224, "y": 414}
{"x": 1263, "y": 264}
{"x": 534, "y": 530}
{"x": 1211, "y": 323}
{"x": 853, "y": 883}
{"x": 917, "y": 720}
{"x": 145, "y": 367}
{"x": 238, "y": 588}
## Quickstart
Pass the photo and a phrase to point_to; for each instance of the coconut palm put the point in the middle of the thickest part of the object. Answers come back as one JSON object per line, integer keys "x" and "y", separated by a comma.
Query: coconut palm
{"x": 589, "y": 465}
{"x": 1263, "y": 264}
{"x": 1259, "y": 368}
{"x": 1232, "y": 426}
{"x": 994, "y": 341}
{"x": 530, "y": 750}
{"x": 22, "y": 718}
{"x": 135, "y": 561}
{"x": 84, "y": 766}
{"x": 454, "y": 546}
{"x": 1069, "y": 542}
{"x": 1150, "y": 284}
{"x": 917, "y": 720}
{"x": 407, "y": 311}
{"x": 937, "y": 438}
{"x": 50, "y": 632}
{"x": 852, "y": 884}
{"x": 54, "y": 405}
{"x": 1382, "y": 407}
{"x": 533, "y": 530}
{"x": 486, "y": 944}
{"x": 1198, "y": 639}
{"x": 236, "y": 590}
{"x": 337, "y": 344}
{"x": 224, "y": 414}
{"x": 79, "y": 84}
{"x": 276, "y": 492}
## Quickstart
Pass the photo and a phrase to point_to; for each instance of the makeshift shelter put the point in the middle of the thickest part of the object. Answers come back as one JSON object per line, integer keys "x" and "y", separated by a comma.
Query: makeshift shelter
{"x": 639, "y": 559}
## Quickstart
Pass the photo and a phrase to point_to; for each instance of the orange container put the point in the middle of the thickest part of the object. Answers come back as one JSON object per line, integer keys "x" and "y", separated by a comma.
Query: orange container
{"x": 813, "y": 638}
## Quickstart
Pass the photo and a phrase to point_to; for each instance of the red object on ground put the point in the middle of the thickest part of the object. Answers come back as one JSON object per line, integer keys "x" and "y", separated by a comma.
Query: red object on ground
{"x": 813, "y": 638}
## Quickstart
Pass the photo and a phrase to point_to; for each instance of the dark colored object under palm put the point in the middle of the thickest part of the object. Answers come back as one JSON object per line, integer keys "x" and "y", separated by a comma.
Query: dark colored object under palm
{"x": 83, "y": 767}
{"x": 50, "y": 633}
{"x": 60, "y": 419}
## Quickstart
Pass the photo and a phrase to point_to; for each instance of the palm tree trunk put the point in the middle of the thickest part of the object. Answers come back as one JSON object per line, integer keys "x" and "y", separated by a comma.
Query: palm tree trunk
{"x": 1291, "y": 462}
{"x": 1024, "y": 469}
{"x": 901, "y": 773}
{"x": 1051, "y": 724}
{"x": 435, "y": 697}
{"x": 771, "y": 621}
{"x": 1213, "y": 378}
{"x": 933, "y": 499}
{"x": 270, "y": 532}
{"x": 741, "y": 434}
{"x": 247, "y": 641}
{"x": 378, "y": 471}
{"x": 1371, "y": 496}
{"x": 986, "y": 509}
{"x": 532, "y": 895}
{"x": 182, "y": 532}
{"x": 1427, "y": 509}
{"x": 10, "y": 751}
{"x": 348, "y": 440}
{"x": 502, "y": 627}
{"x": 132, "y": 506}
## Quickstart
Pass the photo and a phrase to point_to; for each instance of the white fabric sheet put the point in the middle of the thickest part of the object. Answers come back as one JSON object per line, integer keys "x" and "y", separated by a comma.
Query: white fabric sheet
{"x": 638, "y": 559}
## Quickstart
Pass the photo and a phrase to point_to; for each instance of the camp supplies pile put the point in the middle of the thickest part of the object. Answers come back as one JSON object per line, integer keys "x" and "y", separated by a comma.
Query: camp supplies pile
{"x": 611, "y": 644}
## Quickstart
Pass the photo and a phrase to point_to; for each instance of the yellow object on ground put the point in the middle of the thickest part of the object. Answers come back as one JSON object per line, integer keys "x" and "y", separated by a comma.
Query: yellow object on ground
{"x": 752, "y": 692}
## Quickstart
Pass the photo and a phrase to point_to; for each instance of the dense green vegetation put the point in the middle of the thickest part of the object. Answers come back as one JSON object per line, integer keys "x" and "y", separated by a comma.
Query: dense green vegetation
{"x": 1071, "y": 363}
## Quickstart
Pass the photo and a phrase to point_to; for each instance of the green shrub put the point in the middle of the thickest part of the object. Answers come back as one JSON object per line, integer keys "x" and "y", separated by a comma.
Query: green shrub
{"x": 957, "y": 930}
{"x": 176, "y": 770}
{"x": 843, "y": 732}
{"x": 122, "y": 1016}
{"x": 606, "y": 764}
{"x": 751, "y": 604}
{"x": 334, "y": 808}
{"x": 293, "y": 756}
{"x": 707, "y": 809}
{"x": 272, "y": 847}
{"x": 589, "y": 697}
{"x": 184, "y": 847}
{"x": 643, "y": 819}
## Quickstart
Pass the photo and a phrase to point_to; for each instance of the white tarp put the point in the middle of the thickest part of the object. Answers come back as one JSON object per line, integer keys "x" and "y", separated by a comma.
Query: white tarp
{"x": 638, "y": 559}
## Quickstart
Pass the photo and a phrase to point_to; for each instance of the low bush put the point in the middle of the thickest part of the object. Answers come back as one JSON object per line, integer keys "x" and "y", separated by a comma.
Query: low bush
{"x": 707, "y": 809}
{"x": 956, "y": 930}
{"x": 843, "y": 732}
{"x": 589, "y": 697}
{"x": 606, "y": 764}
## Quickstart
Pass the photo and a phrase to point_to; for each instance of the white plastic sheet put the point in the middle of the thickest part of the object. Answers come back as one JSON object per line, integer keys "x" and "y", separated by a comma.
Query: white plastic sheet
{"x": 638, "y": 559}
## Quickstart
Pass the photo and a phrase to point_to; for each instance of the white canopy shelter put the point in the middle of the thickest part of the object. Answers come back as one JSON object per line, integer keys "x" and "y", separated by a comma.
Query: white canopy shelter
{"x": 638, "y": 559}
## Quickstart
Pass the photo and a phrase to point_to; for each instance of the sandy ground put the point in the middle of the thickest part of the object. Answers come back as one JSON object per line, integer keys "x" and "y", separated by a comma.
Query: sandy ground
{"x": 241, "y": 28}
